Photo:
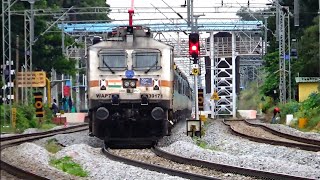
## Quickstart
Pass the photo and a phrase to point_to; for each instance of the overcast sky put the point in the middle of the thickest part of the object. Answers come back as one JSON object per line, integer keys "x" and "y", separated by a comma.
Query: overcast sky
{"x": 225, "y": 11}
{"x": 213, "y": 10}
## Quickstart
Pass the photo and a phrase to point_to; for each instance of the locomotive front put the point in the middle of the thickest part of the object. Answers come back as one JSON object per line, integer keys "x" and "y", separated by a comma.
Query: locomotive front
{"x": 130, "y": 87}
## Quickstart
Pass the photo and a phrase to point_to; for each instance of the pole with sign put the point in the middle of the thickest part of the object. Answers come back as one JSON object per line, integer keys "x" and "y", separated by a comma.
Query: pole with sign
{"x": 214, "y": 97}
{"x": 38, "y": 105}
{"x": 13, "y": 117}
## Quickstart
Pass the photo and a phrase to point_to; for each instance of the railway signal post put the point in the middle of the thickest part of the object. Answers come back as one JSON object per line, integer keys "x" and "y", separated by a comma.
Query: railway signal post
{"x": 194, "y": 51}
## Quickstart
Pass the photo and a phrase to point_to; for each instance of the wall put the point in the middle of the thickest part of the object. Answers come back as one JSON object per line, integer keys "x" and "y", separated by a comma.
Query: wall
{"x": 305, "y": 89}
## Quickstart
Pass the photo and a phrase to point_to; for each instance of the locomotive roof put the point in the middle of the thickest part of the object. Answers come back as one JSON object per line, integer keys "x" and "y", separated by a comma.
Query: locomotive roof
{"x": 138, "y": 42}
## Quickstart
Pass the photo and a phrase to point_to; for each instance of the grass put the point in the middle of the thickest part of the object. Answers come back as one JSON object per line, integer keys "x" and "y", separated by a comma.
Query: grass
{"x": 7, "y": 129}
{"x": 10, "y": 129}
{"x": 67, "y": 165}
{"x": 47, "y": 126}
{"x": 53, "y": 146}
{"x": 203, "y": 144}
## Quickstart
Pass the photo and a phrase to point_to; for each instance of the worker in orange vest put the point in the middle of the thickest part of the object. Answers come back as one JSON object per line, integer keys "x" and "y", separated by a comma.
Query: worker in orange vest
{"x": 276, "y": 111}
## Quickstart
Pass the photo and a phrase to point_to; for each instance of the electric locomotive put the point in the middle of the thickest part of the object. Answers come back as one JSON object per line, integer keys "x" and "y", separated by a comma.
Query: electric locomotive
{"x": 135, "y": 91}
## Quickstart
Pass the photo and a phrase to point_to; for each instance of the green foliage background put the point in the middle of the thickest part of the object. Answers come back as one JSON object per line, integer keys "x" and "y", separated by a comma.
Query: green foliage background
{"x": 47, "y": 52}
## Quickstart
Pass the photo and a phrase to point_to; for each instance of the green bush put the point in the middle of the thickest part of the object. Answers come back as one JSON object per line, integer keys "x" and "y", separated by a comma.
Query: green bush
{"x": 313, "y": 101}
{"x": 47, "y": 114}
{"x": 313, "y": 122}
{"x": 267, "y": 104}
{"x": 25, "y": 117}
{"x": 28, "y": 110}
{"x": 290, "y": 107}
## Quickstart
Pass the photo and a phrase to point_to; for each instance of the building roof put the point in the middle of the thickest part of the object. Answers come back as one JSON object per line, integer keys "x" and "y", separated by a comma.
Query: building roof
{"x": 234, "y": 25}
{"x": 307, "y": 79}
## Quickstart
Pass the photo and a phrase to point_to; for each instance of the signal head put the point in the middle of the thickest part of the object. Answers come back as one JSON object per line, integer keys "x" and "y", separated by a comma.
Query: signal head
{"x": 194, "y": 45}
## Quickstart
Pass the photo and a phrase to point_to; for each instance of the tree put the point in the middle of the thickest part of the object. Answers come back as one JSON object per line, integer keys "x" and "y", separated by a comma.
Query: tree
{"x": 271, "y": 82}
{"x": 308, "y": 62}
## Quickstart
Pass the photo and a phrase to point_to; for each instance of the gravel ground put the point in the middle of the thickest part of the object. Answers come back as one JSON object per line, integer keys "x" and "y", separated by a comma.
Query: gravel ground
{"x": 84, "y": 150}
{"x": 73, "y": 138}
{"x": 100, "y": 167}
{"x": 232, "y": 150}
{"x": 225, "y": 148}
{"x": 286, "y": 129}
{"x": 33, "y": 158}
{"x": 147, "y": 156}
{"x": 91, "y": 159}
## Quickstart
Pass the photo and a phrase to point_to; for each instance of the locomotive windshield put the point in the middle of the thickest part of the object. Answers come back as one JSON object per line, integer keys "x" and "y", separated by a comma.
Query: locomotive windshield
{"x": 113, "y": 60}
{"x": 146, "y": 60}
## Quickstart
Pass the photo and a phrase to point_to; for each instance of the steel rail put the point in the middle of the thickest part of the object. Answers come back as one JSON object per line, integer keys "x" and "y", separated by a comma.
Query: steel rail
{"x": 24, "y": 174}
{"x": 284, "y": 135}
{"x": 8, "y": 138}
{"x": 308, "y": 147}
{"x": 154, "y": 167}
{"x": 225, "y": 168}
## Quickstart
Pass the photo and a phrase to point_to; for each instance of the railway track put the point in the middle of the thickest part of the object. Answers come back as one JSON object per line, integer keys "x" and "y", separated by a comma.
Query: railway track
{"x": 284, "y": 135}
{"x": 263, "y": 134}
{"x": 156, "y": 165}
{"x": 207, "y": 169}
{"x": 18, "y": 139}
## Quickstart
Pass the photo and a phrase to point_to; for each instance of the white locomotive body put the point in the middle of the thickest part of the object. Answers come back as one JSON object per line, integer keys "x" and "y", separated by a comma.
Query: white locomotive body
{"x": 134, "y": 89}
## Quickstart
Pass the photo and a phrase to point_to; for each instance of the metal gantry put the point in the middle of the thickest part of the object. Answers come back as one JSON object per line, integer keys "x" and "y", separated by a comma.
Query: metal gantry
{"x": 7, "y": 92}
{"x": 283, "y": 14}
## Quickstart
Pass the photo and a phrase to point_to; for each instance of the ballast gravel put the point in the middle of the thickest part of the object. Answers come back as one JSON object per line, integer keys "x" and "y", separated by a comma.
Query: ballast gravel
{"x": 223, "y": 147}
{"x": 286, "y": 129}
{"x": 100, "y": 167}
{"x": 35, "y": 158}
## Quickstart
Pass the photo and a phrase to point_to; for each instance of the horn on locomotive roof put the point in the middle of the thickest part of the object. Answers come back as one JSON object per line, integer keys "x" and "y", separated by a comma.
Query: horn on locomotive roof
{"x": 131, "y": 12}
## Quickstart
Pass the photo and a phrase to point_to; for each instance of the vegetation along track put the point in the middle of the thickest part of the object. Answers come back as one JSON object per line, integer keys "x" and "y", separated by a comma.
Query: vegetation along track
{"x": 188, "y": 168}
{"x": 19, "y": 139}
{"x": 261, "y": 134}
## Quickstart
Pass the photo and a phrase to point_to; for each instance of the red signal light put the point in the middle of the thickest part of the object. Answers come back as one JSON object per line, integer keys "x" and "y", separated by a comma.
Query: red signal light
{"x": 194, "y": 45}
{"x": 194, "y": 48}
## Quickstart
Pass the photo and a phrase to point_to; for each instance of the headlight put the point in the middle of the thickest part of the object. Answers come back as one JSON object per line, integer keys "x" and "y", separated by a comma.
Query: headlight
{"x": 126, "y": 84}
{"x": 132, "y": 84}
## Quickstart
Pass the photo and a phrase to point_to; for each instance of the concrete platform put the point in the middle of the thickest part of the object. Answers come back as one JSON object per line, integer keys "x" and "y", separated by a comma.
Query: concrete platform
{"x": 74, "y": 117}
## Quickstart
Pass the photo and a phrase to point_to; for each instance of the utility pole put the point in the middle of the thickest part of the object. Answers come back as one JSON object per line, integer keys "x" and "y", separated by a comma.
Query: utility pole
{"x": 265, "y": 35}
{"x": 6, "y": 56}
{"x": 28, "y": 43}
{"x": 282, "y": 51}
{"x": 289, "y": 56}
{"x": 17, "y": 70}
{"x": 77, "y": 101}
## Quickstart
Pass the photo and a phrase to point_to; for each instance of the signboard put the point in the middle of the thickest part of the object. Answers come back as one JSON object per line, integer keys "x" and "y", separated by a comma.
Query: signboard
{"x": 146, "y": 82}
{"x": 38, "y": 104}
{"x": 195, "y": 71}
{"x": 215, "y": 96}
{"x": 31, "y": 79}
